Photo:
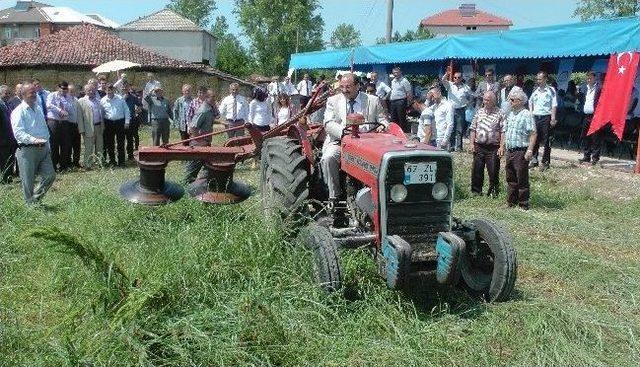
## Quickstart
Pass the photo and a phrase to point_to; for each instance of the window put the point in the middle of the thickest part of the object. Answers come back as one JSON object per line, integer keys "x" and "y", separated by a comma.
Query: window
{"x": 469, "y": 28}
{"x": 10, "y": 31}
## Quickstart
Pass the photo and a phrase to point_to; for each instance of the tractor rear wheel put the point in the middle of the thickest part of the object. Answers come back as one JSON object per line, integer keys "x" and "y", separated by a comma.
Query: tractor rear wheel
{"x": 326, "y": 263}
{"x": 489, "y": 264}
{"x": 284, "y": 181}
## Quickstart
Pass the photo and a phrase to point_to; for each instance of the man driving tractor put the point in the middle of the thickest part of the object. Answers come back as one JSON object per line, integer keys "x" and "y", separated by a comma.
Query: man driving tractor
{"x": 344, "y": 109}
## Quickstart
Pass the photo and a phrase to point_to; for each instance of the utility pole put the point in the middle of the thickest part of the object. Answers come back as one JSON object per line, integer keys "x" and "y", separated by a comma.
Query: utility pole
{"x": 389, "y": 20}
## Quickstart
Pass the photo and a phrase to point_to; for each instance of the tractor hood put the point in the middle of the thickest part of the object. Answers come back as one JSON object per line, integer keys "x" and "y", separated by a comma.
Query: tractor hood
{"x": 361, "y": 156}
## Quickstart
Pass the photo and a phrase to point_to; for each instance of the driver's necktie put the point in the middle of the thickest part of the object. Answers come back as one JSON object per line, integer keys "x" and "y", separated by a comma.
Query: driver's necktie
{"x": 352, "y": 102}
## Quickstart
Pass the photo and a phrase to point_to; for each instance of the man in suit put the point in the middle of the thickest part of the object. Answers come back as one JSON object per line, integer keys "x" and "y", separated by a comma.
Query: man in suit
{"x": 592, "y": 144}
{"x": 91, "y": 125}
{"x": 350, "y": 106}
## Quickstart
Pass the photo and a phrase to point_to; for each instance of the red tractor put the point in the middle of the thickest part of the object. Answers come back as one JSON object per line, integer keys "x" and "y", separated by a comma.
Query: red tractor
{"x": 398, "y": 200}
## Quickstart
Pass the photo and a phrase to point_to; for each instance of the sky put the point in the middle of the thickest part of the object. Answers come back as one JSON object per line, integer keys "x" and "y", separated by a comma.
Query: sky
{"x": 368, "y": 16}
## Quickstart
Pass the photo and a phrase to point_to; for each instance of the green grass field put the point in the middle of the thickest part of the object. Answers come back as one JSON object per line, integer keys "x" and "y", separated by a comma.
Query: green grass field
{"x": 87, "y": 279}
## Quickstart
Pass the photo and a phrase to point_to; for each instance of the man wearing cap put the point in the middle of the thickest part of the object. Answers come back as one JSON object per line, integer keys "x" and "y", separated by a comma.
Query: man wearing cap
{"x": 60, "y": 108}
{"x": 159, "y": 115}
{"x": 116, "y": 120}
{"x": 33, "y": 155}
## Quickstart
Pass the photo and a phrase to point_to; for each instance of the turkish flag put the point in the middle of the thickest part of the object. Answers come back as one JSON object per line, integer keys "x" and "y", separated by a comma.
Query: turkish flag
{"x": 616, "y": 93}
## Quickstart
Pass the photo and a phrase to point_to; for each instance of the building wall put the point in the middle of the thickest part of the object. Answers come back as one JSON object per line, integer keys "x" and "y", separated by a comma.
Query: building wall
{"x": 171, "y": 81}
{"x": 188, "y": 46}
{"x": 463, "y": 29}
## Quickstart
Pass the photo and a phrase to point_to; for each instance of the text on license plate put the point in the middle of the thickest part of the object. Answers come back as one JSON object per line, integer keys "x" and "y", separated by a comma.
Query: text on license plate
{"x": 420, "y": 173}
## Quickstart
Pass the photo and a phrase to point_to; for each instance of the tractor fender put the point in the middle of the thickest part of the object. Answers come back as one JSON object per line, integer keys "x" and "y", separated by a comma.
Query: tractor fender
{"x": 395, "y": 130}
{"x": 298, "y": 133}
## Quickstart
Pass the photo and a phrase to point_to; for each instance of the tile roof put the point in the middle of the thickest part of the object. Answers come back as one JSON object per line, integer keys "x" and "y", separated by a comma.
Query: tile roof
{"x": 84, "y": 45}
{"x": 454, "y": 17}
{"x": 162, "y": 20}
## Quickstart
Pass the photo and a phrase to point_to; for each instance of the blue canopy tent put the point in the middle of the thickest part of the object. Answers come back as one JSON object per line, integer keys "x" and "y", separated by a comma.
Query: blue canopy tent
{"x": 522, "y": 50}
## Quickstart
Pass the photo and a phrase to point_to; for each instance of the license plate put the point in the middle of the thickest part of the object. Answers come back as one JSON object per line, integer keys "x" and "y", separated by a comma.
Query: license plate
{"x": 420, "y": 173}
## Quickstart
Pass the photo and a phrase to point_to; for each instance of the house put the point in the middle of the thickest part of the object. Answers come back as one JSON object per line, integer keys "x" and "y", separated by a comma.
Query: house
{"x": 52, "y": 58}
{"x": 466, "y": 19}
{"x": 31, "y": 19}
{"x": 172, "y": 35}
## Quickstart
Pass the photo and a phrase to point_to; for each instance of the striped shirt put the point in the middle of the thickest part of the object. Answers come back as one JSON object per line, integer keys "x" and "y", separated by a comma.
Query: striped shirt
{"x": 487, "y": 126}
{"x": 517, "y": 129}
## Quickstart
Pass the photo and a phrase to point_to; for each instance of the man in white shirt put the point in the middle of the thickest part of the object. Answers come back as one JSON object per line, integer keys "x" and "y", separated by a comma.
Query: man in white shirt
{"x": 438, "y": 122}
{"x": 505, "y": 104}
{"x": 274, "y": 89}
{"x": 305, "y": 89}
{"x": 459, "y": 95}
{"x": 592, "y": 144}
{"x": 382, "y": 89}
{"x": 34, "y": 154}
{"x": 151, "y": 85}
{"x": 543, "y": 104}
{"x": 234, "y": 108}
{"x": 400, "y": 96}
{"x": 116, "y": 120}
{"x": 287, "y": 87}
{"x": 342, "y": 109}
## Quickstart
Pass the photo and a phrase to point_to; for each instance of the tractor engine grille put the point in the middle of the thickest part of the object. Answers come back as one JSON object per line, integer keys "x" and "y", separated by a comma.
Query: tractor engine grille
{"x": 420, "y": 217}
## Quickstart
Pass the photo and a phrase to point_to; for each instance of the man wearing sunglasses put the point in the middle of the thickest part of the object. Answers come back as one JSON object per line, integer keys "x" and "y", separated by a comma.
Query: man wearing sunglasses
{"x": 489, "y": 84}
{"x": 459, "y": 95}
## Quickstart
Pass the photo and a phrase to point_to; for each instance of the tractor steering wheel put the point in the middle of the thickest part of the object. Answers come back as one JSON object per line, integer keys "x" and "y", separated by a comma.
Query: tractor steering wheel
{"x": 349, "y": 129}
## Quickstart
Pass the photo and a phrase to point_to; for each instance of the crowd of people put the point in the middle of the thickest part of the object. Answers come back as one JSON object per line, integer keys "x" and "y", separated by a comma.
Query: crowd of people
{"x": 45, "y": 132}
{"x": 102, "y": 120}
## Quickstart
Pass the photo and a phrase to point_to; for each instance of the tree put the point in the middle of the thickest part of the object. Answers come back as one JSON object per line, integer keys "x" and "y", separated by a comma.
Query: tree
{"x": 277, "y": 28}
{"x": 419, "y": 34}
{"x": 231, "y": 56}
{"x": 198, "y": 11}
{"x": 594, "y": 9}
{"x": 345, "y": 36}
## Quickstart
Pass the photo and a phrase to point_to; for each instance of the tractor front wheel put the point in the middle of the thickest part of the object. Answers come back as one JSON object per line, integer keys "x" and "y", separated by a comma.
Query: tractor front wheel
{"x": 326, "y": 263}
{"x": 489, "y": 264}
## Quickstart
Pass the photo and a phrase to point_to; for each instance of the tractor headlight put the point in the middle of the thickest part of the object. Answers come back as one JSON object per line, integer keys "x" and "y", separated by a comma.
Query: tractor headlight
{"x": 398, "y": 193}
{"x": 440, "y": 191}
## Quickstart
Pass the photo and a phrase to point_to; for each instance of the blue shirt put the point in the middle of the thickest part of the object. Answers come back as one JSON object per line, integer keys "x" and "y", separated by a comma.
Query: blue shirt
{"x": 543, "y": 100}
{"x": 115, "y": 108}
{"x": 28, "y": 123}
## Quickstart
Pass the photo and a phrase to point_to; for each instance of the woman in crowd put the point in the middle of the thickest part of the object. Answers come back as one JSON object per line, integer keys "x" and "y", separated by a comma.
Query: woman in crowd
{"x": 260, "y": 114}
{"x": 284, "y": 109}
